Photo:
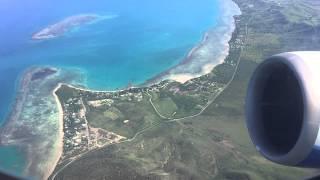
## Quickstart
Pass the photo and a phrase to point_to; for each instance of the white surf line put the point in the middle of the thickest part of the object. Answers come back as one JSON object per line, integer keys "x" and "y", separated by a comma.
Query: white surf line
{"x": 174, "y": 120}
{"x": 147, "y": 128}
{"x": 139, "y": 133}
{"x": 89, "y": 90}
{"x": 61, "y": 132}
{"x": 216, "y": 95}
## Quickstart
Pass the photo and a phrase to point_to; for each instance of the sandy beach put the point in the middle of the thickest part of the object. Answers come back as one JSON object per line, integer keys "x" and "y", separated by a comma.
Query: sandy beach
{"x": 59, "y": 143}
{"x": 208, "y": 53}
{"x": 201, "y": 50}
{"x": 89, "y": 90}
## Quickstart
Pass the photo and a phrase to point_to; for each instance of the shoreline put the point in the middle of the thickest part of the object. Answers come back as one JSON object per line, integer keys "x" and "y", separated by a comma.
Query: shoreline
{"x": 90, "y": 90}
{"x": 59, "y": 146}
{"x": 41, "y": 137}
{"x": 182, "y": 78}
{"x": 9, "y": 127}
{"x": 227, "y": 25}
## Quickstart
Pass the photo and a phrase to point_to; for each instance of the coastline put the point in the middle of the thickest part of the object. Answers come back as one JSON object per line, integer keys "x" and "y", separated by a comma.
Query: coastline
{"x": 170, "y": 74}
{"x": 89, "y": 90}
{"x": 35, "y": 123}
{"x": 167, "y": 75}
{"x": 8, "y": 128}
{"x": 208, "y": 46}
{"x": 59, "y": 143}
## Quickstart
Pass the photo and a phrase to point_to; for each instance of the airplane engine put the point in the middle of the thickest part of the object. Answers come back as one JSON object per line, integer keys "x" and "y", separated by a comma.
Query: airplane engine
{"x": 283, "y": 109}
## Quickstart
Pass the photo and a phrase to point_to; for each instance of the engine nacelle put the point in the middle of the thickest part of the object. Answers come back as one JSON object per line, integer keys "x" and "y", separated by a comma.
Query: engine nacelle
{"x": 283, "y": 109}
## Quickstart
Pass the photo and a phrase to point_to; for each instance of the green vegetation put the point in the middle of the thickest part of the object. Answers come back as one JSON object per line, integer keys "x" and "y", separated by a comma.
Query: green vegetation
{"x": 301, "y": 11}
{"x": 65, "y": 93}
{"x": 138, "y": 114}
{"x": 213, "y": 144}
{"x": 165, "y": 105}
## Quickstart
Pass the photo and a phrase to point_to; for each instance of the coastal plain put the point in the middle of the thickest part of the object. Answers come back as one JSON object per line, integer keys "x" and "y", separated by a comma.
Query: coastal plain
{"x": 191, "y": 130}
{"x": 173, "y": 126}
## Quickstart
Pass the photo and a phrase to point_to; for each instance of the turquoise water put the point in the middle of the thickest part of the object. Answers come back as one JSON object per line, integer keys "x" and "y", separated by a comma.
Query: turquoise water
{"x": 146, "y": 38}
{"x": 13, "y": 161}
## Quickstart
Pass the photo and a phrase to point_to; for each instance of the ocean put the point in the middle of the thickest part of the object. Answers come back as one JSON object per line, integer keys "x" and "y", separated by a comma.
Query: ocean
{"x": 143, "y": 39}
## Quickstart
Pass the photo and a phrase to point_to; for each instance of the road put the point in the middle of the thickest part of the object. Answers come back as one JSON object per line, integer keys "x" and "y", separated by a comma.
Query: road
{"x": 169, "y": 120}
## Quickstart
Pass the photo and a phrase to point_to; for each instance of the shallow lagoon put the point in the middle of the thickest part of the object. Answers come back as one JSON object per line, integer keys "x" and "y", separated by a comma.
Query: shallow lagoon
{"x": 143, "y": 40}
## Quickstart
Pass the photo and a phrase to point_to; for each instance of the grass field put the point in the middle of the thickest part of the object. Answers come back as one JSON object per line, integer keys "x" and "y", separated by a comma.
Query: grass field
{"x": 138, "y": 114}
{"x": 215, "y": 144}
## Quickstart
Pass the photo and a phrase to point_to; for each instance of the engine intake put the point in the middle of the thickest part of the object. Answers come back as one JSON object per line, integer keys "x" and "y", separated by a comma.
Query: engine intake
{"x": 283, "y": 109}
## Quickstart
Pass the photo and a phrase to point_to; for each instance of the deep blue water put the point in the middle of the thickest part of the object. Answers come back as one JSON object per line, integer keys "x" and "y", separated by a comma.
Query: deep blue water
{"x": 147, "y": 37}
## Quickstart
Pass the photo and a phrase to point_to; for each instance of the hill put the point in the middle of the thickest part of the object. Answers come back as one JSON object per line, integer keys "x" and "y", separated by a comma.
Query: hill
{"x": 194, "y": 130}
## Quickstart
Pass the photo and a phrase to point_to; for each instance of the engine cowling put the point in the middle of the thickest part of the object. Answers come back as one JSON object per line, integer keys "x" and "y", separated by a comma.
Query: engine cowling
{"x": 283, "y": 109}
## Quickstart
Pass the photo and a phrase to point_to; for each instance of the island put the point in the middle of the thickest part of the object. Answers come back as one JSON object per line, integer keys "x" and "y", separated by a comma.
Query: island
{"x": 161, "y": 130}
{"x": 190, "y": 130}
{"x": 61, "y": 27}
